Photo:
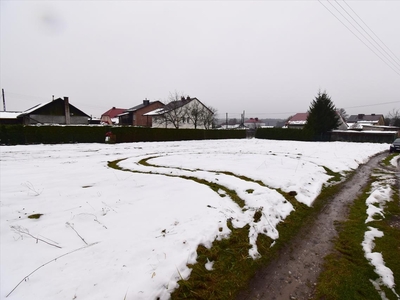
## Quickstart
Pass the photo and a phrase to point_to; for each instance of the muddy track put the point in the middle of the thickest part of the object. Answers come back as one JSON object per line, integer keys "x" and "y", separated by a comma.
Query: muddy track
{"x": 294, "y": 273}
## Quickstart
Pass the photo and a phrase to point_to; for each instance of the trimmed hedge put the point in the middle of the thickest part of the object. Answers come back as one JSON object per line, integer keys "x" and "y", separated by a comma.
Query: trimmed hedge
{"x": 283, "y": 134}
{"x": 19, "y": 134}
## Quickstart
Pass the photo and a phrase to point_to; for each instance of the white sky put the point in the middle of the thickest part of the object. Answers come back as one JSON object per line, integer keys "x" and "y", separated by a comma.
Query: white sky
{"x": 267, "y": 58}
{"x": 144, "y": 227}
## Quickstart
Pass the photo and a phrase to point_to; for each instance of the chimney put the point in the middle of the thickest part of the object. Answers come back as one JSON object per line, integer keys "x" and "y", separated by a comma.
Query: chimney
{"x": 361, "y": 116}
{"x": 67, "y": 112}
{"x": 146, "y": 102}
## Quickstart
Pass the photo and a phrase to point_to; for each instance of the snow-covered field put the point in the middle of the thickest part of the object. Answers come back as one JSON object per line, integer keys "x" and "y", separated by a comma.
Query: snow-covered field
{"x": 105, "y": 233}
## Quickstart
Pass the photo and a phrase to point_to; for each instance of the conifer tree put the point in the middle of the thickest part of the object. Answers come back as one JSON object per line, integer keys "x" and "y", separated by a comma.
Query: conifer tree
{"x": 322, "y": 117}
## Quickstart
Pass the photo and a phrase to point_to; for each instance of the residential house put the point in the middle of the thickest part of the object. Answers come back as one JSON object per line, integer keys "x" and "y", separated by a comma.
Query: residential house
{"x": 58, "y": 111}
{"x": 358, "y": 122}
{"x": 184, "y": 113}
{"x": 111, "y": 116}
{"x": 297, "y": 121}
{"x": 136, "y": 116}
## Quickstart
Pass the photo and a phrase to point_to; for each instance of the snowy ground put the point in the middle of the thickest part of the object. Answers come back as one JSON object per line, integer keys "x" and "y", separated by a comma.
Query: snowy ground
{"x": 116, "y": 234}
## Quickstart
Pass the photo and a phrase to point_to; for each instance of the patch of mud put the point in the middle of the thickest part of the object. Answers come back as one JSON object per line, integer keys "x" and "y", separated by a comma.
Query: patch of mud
{"x": 395, "y": 222}
{"x": 293, "y": 275}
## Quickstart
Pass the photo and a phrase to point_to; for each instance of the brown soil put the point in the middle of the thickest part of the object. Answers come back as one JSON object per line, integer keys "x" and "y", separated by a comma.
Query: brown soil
{"x": 293, "y": 275}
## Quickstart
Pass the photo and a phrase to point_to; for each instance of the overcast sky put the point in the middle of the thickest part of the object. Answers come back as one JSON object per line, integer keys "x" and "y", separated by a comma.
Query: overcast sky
{"x": 267, "y": 58}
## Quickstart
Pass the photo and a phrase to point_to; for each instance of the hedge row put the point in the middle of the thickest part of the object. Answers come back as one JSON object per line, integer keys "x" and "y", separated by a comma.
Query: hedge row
{"x": 283, "y": 134}
{"x": 19, "y": 134}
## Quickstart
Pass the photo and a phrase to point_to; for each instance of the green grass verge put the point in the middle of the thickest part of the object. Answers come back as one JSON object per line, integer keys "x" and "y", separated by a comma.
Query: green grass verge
{"x": 347, "y": 273}
{"x": 386, "y": 161}
{"x": 233, "y": 268}
{"x": 389, "y": 244}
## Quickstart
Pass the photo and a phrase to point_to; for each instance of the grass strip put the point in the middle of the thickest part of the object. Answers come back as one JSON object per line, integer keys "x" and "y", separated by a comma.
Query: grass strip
{"x": 347, "y": 273}
{"x": 233, "y": 268}
{"x": 386, "y": 161}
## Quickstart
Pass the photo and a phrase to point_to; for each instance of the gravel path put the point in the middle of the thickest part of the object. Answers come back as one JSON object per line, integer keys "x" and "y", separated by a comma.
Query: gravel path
{"x": 294, "y": 273}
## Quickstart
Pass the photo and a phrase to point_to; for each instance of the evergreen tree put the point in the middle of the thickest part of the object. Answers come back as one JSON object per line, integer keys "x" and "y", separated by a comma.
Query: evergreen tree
{"x": 322, "y": 116}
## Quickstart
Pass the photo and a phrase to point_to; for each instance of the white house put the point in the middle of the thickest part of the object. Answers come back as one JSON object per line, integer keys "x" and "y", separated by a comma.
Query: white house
{"x": 185, "y": 113}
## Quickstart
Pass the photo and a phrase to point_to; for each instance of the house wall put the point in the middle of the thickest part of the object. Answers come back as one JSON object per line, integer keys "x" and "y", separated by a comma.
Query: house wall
{"x": 105, "y": 119}
{"x": 185, "y": 123}
{"x": 51, "y": 119}
{"x": 157, "y": 122}
{"x": 140, "y": 120}
{"x": 126, "y": 119}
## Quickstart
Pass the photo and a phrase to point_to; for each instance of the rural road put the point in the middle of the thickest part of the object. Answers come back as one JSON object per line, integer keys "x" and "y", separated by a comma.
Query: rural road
{"x": 294, "y": 273}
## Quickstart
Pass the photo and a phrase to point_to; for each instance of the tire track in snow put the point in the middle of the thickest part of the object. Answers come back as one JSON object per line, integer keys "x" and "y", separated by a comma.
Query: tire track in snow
{"x": 251, "y": 196}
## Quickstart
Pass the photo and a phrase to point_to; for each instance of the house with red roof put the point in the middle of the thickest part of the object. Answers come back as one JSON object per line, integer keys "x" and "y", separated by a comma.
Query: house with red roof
{"x": 111, "y": 116}
{"x": 297, "y": 121}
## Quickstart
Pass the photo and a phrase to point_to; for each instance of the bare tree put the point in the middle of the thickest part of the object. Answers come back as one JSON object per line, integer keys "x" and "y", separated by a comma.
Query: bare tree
{"x": 208, "y": 117}
{"x": 393, "y": 118}
{"x": 342, "y": 112}
{"x": 174, "y": 111}
{"x": 287, "y": 120}
{"x": 194, "y": 112}
{"x": 181, "y": 109}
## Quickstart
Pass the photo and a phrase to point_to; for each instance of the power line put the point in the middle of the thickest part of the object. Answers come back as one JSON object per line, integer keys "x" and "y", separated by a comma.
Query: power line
{"x": 356, "y": 34}
{"x": 390, "y": 59}
{"x": 384, "y": 103}
{"x": 398, "y": 73}
{"x": 372, "y": 31}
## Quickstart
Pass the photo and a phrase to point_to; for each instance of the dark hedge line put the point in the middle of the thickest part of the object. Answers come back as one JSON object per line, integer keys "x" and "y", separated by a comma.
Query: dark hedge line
{"x": 19, "y": 134}
{"x": 283, "y": 134}
{"x": 343, "y": 136}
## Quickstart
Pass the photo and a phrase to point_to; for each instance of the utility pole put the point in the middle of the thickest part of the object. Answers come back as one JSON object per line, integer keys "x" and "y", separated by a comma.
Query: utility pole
{"x": 226, "y": 121}
{"x": 4, "y": 100}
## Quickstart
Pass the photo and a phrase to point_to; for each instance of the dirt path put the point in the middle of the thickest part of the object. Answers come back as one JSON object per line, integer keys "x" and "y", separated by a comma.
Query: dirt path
{"x": 294, "y": 273}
